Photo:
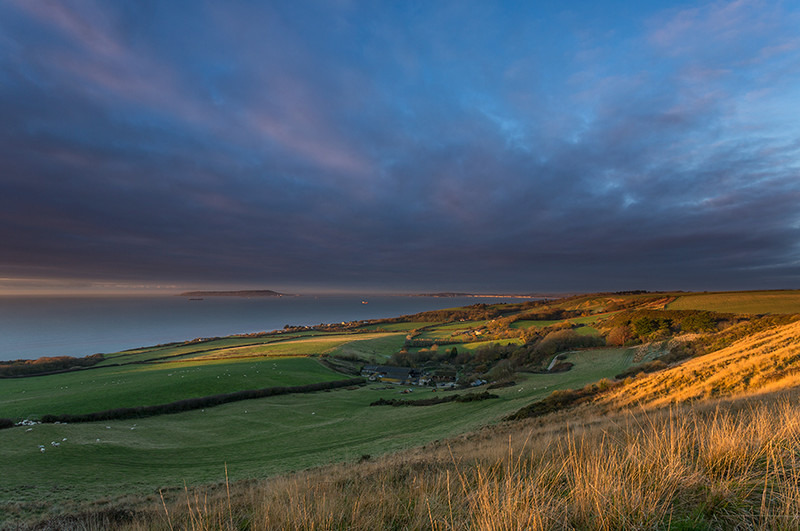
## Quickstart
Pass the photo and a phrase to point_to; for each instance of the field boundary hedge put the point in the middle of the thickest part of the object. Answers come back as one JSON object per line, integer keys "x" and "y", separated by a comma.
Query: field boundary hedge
{"x": 202, "y": 402}
{"x": 47, "y": 365}
{"x": 473, "y": 397}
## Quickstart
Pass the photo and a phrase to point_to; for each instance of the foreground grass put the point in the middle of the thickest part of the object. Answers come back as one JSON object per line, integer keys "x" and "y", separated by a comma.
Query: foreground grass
{"x": 717, "y": 465}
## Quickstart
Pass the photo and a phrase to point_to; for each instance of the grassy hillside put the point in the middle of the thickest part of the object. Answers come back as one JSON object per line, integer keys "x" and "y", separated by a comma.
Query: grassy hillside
{"x": 253, "y": 439}
{"x": 708, "y": 465}
{"x": 706, "y": 452}
{"x": 766, "y": 361}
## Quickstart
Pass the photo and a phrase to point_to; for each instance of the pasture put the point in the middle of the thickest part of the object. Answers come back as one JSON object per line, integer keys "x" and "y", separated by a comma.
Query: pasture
{"x": 149, "y": 384}
{"x": 376, "y": 349}
{"x": 751, "y": 302}
{"x": 308, "y": 346}
{"x": 542, "y": 323}
{"x": 253, "y": 438}
{"x": 188, "y": 349}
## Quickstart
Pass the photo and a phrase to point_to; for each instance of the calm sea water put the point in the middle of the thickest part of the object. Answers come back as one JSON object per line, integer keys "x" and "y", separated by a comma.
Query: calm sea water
{"x": 31, "y": 327}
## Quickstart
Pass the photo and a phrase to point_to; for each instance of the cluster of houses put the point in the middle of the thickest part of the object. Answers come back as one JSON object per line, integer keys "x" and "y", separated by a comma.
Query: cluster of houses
{"x": 407, "y": 376}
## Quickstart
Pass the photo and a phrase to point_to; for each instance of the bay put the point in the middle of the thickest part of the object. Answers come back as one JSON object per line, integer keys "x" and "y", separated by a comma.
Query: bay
{"x": 32, "y": 327}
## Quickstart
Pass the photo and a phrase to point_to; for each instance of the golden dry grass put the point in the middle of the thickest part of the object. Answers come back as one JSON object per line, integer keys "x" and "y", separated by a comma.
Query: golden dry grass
{"x": 767, "y": 361}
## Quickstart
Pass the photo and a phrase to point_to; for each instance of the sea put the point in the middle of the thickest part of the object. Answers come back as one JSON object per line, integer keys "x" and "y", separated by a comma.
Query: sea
{"x": 36, "y": 326}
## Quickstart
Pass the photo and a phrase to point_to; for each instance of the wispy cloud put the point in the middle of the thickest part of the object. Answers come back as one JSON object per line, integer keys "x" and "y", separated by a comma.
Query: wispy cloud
{"x": 442, "y": 145}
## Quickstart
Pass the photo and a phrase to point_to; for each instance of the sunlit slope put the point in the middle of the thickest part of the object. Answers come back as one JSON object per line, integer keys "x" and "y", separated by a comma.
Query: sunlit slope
{"x": 766, "y": 361}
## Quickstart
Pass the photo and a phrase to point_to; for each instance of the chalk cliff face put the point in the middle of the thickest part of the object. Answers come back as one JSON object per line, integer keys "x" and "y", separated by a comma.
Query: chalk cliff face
{"x": 767, "y": 361}
{"x": 240, "y": 293}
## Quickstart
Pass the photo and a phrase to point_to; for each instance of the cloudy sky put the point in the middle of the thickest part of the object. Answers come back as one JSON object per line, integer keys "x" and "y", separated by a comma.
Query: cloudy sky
{"x": 400, "y": 146}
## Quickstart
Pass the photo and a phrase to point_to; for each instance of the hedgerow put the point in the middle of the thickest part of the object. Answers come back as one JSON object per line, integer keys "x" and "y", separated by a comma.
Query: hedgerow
{"x": 199, "y": 402}
{"x": 472, "y": 397}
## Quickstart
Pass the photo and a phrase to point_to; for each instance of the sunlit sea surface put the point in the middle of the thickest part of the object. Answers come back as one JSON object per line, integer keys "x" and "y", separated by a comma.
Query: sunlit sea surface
{"x": 31, "y": 327}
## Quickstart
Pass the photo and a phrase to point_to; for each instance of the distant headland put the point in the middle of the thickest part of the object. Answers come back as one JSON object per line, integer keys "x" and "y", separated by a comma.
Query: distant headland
{"x": 485, "y": 295}
{"x": 239, "y": 293}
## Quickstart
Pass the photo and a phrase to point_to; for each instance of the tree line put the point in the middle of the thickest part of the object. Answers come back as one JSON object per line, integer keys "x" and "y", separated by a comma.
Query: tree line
{"x": 43, "y": 365}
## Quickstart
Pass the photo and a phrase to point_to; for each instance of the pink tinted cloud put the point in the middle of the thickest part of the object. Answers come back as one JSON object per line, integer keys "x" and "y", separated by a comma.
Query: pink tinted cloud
{"x": 290, "y": 109}
{"x": 292, "y": 116}
{"x": 719, "y": 27}
{"x": 309, "y": 144}
{"x": 89, "y": 35}
{"x": 101, "y": 60}
{"x": 293, "y": 119}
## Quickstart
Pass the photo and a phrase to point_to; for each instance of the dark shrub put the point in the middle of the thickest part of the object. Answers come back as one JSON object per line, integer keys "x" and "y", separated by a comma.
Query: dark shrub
{"x": 472, "y": 397}
{"x": 650, "y": 366}
{"x": 562, "y": 340}
{"x": 46, "y": 365}
{"x": 562, "y": 366}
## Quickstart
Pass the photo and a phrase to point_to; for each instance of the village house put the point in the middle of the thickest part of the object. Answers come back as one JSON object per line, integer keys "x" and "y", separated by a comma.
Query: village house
{"x": 390, "y": 374}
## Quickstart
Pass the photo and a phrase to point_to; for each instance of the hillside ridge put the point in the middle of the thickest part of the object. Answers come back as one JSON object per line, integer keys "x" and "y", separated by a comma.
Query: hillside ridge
{"x": 234, "y": 293}
{"x": 766, "y": 361}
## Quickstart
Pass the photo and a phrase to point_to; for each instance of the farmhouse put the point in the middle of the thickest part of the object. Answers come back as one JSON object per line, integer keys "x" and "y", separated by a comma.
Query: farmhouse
{"x": 390, "y": 374}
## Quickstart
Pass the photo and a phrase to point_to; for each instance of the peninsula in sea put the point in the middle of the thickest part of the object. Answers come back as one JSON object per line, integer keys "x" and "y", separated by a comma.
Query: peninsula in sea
{"x": 238, "y": 293}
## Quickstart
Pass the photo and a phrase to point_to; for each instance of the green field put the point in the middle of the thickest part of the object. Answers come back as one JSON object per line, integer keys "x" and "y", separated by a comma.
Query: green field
{"x": 460, "y": 325}
{"x": 309, "y": 346}
{"x": 475, "y": 345}
{"x": 542, "y": 323}
{"x": 150, "y": 384}
{"x": 524, "y": 323}
{"x": 752, "y": 302}
{"x": 188, "y": 349}
{"x": 253, "y": 438}
{"x": 587, "y": 331}
{"x": 397, "y": 327}
{"x": 376, "y": 349}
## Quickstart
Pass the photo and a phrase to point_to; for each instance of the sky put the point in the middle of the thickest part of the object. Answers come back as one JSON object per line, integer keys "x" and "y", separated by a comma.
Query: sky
{"x": 399, "y": 146}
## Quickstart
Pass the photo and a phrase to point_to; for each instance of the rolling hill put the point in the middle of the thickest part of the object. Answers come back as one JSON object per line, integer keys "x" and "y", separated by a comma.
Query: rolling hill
{"x": 708, "y": 441}
{"x": 767, "y": 361}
